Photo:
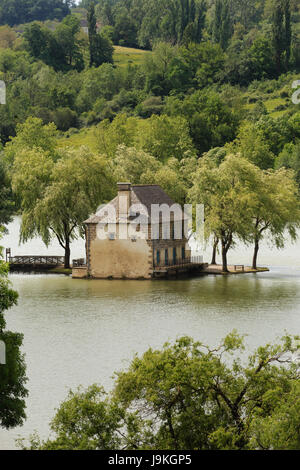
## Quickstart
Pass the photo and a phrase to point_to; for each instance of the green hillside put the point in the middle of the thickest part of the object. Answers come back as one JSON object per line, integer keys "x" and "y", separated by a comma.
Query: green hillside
{"x": 126, "y": 55}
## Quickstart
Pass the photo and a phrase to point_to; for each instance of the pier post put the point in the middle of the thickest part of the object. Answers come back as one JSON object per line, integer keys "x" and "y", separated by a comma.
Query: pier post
{"x": 7, "y": 254}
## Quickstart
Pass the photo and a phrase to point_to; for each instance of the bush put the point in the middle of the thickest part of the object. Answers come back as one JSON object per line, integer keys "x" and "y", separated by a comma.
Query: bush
{"x": 152, "y": 105}
{"x": 64, "y": 118}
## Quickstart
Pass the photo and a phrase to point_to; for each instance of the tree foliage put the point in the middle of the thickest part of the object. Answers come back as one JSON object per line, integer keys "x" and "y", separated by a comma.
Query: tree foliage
{"x": 100, "y": 48}
{"x": 13, "y": 373}
{"x": 188, "y": 396}
{"x": 243, "y": 202}
{"x": 13, "y": 12}
{"x": 59, "y": 49}
{"x": 7, "y": 206}
{"x": 58, "y": 189}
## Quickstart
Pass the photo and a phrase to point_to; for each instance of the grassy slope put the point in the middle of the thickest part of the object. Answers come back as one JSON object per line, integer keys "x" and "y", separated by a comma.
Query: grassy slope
{"x": 277, "y": 102}
{"x": 83, "y": 137}
{"x": 272, "y": 105}
{"x": 126, "y": 55}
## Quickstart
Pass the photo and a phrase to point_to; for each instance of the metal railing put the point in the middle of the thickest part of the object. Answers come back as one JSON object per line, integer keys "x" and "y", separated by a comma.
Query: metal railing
{"x": 78, "y": 263}
{"x": 36, "y": 260}
{"x": 239, "y": 267}
{"x": 179, "y": 262}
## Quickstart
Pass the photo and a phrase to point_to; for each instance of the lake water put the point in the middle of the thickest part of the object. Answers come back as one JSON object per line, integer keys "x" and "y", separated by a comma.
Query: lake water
{"x": 79, "y": 332}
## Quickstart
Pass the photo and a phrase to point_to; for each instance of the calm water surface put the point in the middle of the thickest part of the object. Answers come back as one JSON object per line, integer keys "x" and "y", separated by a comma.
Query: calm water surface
{"x": 80, "y": 332}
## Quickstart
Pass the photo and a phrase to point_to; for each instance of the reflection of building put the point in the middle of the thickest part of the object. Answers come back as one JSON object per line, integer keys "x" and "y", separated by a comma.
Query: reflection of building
{"x": 2, "y": 92}
{"x": 130, "y": 238}
{"x": 2, "y": 353}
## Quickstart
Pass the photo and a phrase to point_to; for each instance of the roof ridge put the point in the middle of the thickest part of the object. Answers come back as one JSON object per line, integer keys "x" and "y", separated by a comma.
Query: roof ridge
{"x": 139, "y": 185}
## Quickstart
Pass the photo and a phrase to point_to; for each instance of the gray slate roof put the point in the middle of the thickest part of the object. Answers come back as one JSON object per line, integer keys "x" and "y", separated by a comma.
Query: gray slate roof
{"x": 142, "y": 195}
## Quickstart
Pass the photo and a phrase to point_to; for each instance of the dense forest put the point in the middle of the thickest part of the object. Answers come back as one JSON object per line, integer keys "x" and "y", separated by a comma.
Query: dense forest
{"x": 14, "y": 12}
{"x": 201, "y": 49}
{"x": 156, "y": 89}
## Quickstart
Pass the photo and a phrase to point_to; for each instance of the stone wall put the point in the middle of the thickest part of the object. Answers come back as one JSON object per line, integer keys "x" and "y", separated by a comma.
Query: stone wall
{"x": 79, "y": 272}
{"x": 117, "y": 259}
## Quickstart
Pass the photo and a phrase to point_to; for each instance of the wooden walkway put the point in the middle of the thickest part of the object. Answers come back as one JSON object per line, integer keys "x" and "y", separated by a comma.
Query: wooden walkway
{"x": 35, "y": 262}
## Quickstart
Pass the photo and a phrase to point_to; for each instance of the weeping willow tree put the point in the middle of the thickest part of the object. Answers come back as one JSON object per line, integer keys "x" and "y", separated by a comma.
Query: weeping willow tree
{"x": 56, "y": 197}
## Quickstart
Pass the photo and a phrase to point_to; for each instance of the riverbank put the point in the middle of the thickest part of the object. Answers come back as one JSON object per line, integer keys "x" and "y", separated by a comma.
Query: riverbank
{"x": 60, "y": 270}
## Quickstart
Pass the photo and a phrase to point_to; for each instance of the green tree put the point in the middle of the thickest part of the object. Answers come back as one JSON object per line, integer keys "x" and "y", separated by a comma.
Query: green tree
{"x": 282, "y": 33}
{"x": 130, "y": 164}
{"x": 276, "y": 209}
{"x": 120, "y": 132}
{"x": 290, "y": 158}
{"x": 100, "y": 420}
{"x": 8, "y": 37}
{"x": 125, "y": 32}
{"x": 200, "y": 20}
{"x": 160, "y": 136}
{"x": 279, "y": 431}
{"x": 13, "y": 373}
{"x": 226, "y": 192}
{"x": 211, "y": 121}
{"x": 187, "y": 396}
{"x": 66, "y": 193}
{"x": 164, "y": 137}
{"x": 226, "y": 29}
{"x": 14, "y": 12}
{"x": 157, "y": 67}
{"x": 277, "y": 132}
{"x": 170, "y": 177}
{"x": 67, "y": 38}
{"x": 139, "y": 167}
{"x": 42, "y": 44}
{"x": 102, "y": 82}
{"x": 32, "y": 134}
{"x": 253, "y": 146}
{"x": 101, "y": 50}
{"x": 217, "y": 24}
{"x": 288, "y": 32}
{"x": 222, "y": 25}
{"x": 6, "y": 198}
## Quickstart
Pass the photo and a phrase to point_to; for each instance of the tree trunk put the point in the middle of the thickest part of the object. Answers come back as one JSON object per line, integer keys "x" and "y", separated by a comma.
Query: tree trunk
{"x": 67, "y": 254}
{"x": 224, "y": 258}
{"x": 256, "y": 248}
{"x": 214, "y": 253}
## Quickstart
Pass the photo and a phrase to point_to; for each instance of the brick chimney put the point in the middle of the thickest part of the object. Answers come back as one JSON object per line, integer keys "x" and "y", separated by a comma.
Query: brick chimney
{"x": 124, "y": 199}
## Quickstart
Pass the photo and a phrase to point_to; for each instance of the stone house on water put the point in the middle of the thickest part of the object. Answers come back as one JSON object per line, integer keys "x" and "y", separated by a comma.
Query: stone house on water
{"x": 140, "y": 234}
